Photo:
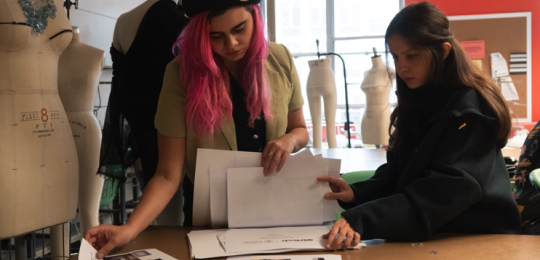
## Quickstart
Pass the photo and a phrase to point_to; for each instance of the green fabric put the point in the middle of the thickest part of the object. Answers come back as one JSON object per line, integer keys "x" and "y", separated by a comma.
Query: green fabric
{"x": 535, "y": 179}
{"x": 354, "y": 177}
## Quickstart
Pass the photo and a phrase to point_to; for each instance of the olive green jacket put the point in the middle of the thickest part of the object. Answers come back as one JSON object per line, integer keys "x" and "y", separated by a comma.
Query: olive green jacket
{"x": 286, "y": 96}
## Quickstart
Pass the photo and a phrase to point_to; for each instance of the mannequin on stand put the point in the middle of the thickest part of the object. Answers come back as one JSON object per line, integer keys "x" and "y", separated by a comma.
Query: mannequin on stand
{"x": 322, "y": 84}
{"x": 38, "y": 159}
{"x": 141, "y": 49}
{"x": 377, "y": 85}
{"x": 78, "y": 78}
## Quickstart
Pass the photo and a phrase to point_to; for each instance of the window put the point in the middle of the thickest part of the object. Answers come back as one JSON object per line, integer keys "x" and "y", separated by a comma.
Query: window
{"x": 351, "y": 28}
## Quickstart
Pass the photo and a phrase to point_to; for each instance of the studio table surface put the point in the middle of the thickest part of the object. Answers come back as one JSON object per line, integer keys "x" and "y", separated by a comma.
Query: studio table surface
{"x": 173, "y": 241}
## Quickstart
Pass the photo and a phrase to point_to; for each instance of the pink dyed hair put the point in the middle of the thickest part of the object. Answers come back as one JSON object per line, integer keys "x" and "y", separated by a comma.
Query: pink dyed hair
{"x": 207, "y": 81}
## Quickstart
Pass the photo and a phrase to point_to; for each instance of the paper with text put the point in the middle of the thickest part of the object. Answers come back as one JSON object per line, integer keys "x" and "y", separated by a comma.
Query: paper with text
{"x": 508, "y": 89}
{"x": 499, "y": 67}
{"x": 261, "y": 239}
{"x": 286, "y": 257}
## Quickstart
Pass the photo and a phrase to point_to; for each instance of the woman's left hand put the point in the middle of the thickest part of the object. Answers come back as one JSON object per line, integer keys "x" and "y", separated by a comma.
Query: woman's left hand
{"x": 342, "y": 234}
{"x": 276, "y": 152}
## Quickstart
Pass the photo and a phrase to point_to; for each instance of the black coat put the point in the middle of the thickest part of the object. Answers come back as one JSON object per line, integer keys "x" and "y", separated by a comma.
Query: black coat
{"x": 454, "y": 180}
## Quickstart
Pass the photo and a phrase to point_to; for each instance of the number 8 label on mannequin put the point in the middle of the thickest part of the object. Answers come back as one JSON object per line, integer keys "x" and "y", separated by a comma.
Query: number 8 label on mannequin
{"x": 43, "y": 121}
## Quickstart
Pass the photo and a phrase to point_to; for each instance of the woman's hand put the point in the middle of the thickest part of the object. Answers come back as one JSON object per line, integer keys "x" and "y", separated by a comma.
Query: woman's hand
{"x": 342, "y": 234}
{"x": 276, "y": 153}
{"x": 340, "y": 189}
{"x": 105, "y": 238}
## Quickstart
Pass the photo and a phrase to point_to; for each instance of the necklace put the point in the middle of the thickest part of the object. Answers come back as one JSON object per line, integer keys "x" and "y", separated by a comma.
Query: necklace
{"x": 37, "y": 12}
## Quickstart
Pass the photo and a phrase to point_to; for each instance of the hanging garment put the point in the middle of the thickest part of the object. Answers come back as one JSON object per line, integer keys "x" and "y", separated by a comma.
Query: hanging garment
{"x": 136, "y": 84}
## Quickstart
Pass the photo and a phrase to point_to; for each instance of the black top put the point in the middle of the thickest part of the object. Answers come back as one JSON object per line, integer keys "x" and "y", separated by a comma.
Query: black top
{"x": 248, "y": 139}
{"x": 451, "y": 178}
{"x": 138, "y": 75}
{"x": 138, "y": 78}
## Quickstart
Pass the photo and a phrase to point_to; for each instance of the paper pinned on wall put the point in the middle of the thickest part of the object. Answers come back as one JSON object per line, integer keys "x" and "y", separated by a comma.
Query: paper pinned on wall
{"x": 478, "y": 64}
{"x": 475, "y": 49}
{"x": 508, "y": 89}
{"x": 499, "y": 67}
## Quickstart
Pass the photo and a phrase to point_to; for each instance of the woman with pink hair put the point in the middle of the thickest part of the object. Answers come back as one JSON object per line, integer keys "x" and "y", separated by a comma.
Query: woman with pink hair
{"x": 227, "y": 89}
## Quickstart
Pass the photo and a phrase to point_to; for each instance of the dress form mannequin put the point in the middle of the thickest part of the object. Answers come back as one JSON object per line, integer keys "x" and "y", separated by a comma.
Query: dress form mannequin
{"x": 78, "y": 77}
{"x": 377, "y": 85}
{"x": 79, "y": 70}
{"x": 38, "y": 158}
{"x": 321, "y": 83}
{"x": 125, "y": 32}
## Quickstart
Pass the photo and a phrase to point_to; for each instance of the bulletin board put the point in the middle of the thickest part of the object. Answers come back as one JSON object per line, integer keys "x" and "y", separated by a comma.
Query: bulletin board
{"x": 504, "y": 33}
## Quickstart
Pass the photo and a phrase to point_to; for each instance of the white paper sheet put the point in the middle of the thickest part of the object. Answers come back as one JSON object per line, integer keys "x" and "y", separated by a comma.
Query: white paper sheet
{"x": 331, "y": 207}
{"x": 218, "y": 189}
{"x": 218, "y": 197}
{"x": 286, "y": 257}
{"x": 205, "y": 244}
{"x": 201, "y": 196}
{"x": 509, "y": 89}
{"x": 288, "y": 198}
{"x": 210, "y": 196}
{"x": 262, "y": 239}
{"x": 87, "y": 251}
{"x": 499, "y": 67}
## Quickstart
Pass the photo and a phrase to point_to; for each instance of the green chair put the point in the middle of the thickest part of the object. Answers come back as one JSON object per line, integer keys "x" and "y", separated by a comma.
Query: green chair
{"x": 354, "y": 177}
{"x": 535, "y": 179}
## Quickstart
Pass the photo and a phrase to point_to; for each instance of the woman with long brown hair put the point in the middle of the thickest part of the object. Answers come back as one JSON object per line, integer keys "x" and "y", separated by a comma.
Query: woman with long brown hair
{"x": 445, "y": 170}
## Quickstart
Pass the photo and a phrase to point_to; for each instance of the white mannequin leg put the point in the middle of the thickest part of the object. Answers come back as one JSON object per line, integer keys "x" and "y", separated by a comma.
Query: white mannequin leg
{"x": 91, "y": 185}
{"x": 330, "y": 107}
{"x": 315, "y": 111}
{"x": 321, "y": 82}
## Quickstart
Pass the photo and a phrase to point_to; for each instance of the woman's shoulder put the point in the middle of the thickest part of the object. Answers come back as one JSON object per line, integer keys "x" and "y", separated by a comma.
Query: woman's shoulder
{"x": 467, "y": 100}
{"x": 279, "y": 56}
{"x": 174, "y": 64}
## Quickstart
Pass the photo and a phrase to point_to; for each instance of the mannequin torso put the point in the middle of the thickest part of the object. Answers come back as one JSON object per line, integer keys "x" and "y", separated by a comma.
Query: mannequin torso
{"x": 79, "y": 71}
{"x": 38, "y": 172}
{"x": 377, "y": 85}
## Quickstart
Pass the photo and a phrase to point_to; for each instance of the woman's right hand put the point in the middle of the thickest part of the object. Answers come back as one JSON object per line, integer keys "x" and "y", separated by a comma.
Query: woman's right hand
{"x": 105, "y": 238}
{"x": 340, "y": 189}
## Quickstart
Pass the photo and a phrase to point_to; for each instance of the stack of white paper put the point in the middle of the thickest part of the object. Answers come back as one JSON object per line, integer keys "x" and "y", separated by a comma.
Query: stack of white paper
{"x": 231, "y": 191}
{"x": 221, "y": 243}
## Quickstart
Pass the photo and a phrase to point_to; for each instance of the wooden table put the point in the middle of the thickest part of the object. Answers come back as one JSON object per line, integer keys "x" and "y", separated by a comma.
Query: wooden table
{"x": 173, "y": 241}
{"x": 355, "y": 159}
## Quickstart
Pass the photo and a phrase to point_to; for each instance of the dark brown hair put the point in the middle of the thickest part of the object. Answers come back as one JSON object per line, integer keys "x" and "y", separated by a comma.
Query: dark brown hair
{"x": 423, "y": 26}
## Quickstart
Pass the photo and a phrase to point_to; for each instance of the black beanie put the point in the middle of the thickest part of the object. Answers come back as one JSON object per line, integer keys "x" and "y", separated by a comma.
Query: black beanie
{"x": 193, "y": 7}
